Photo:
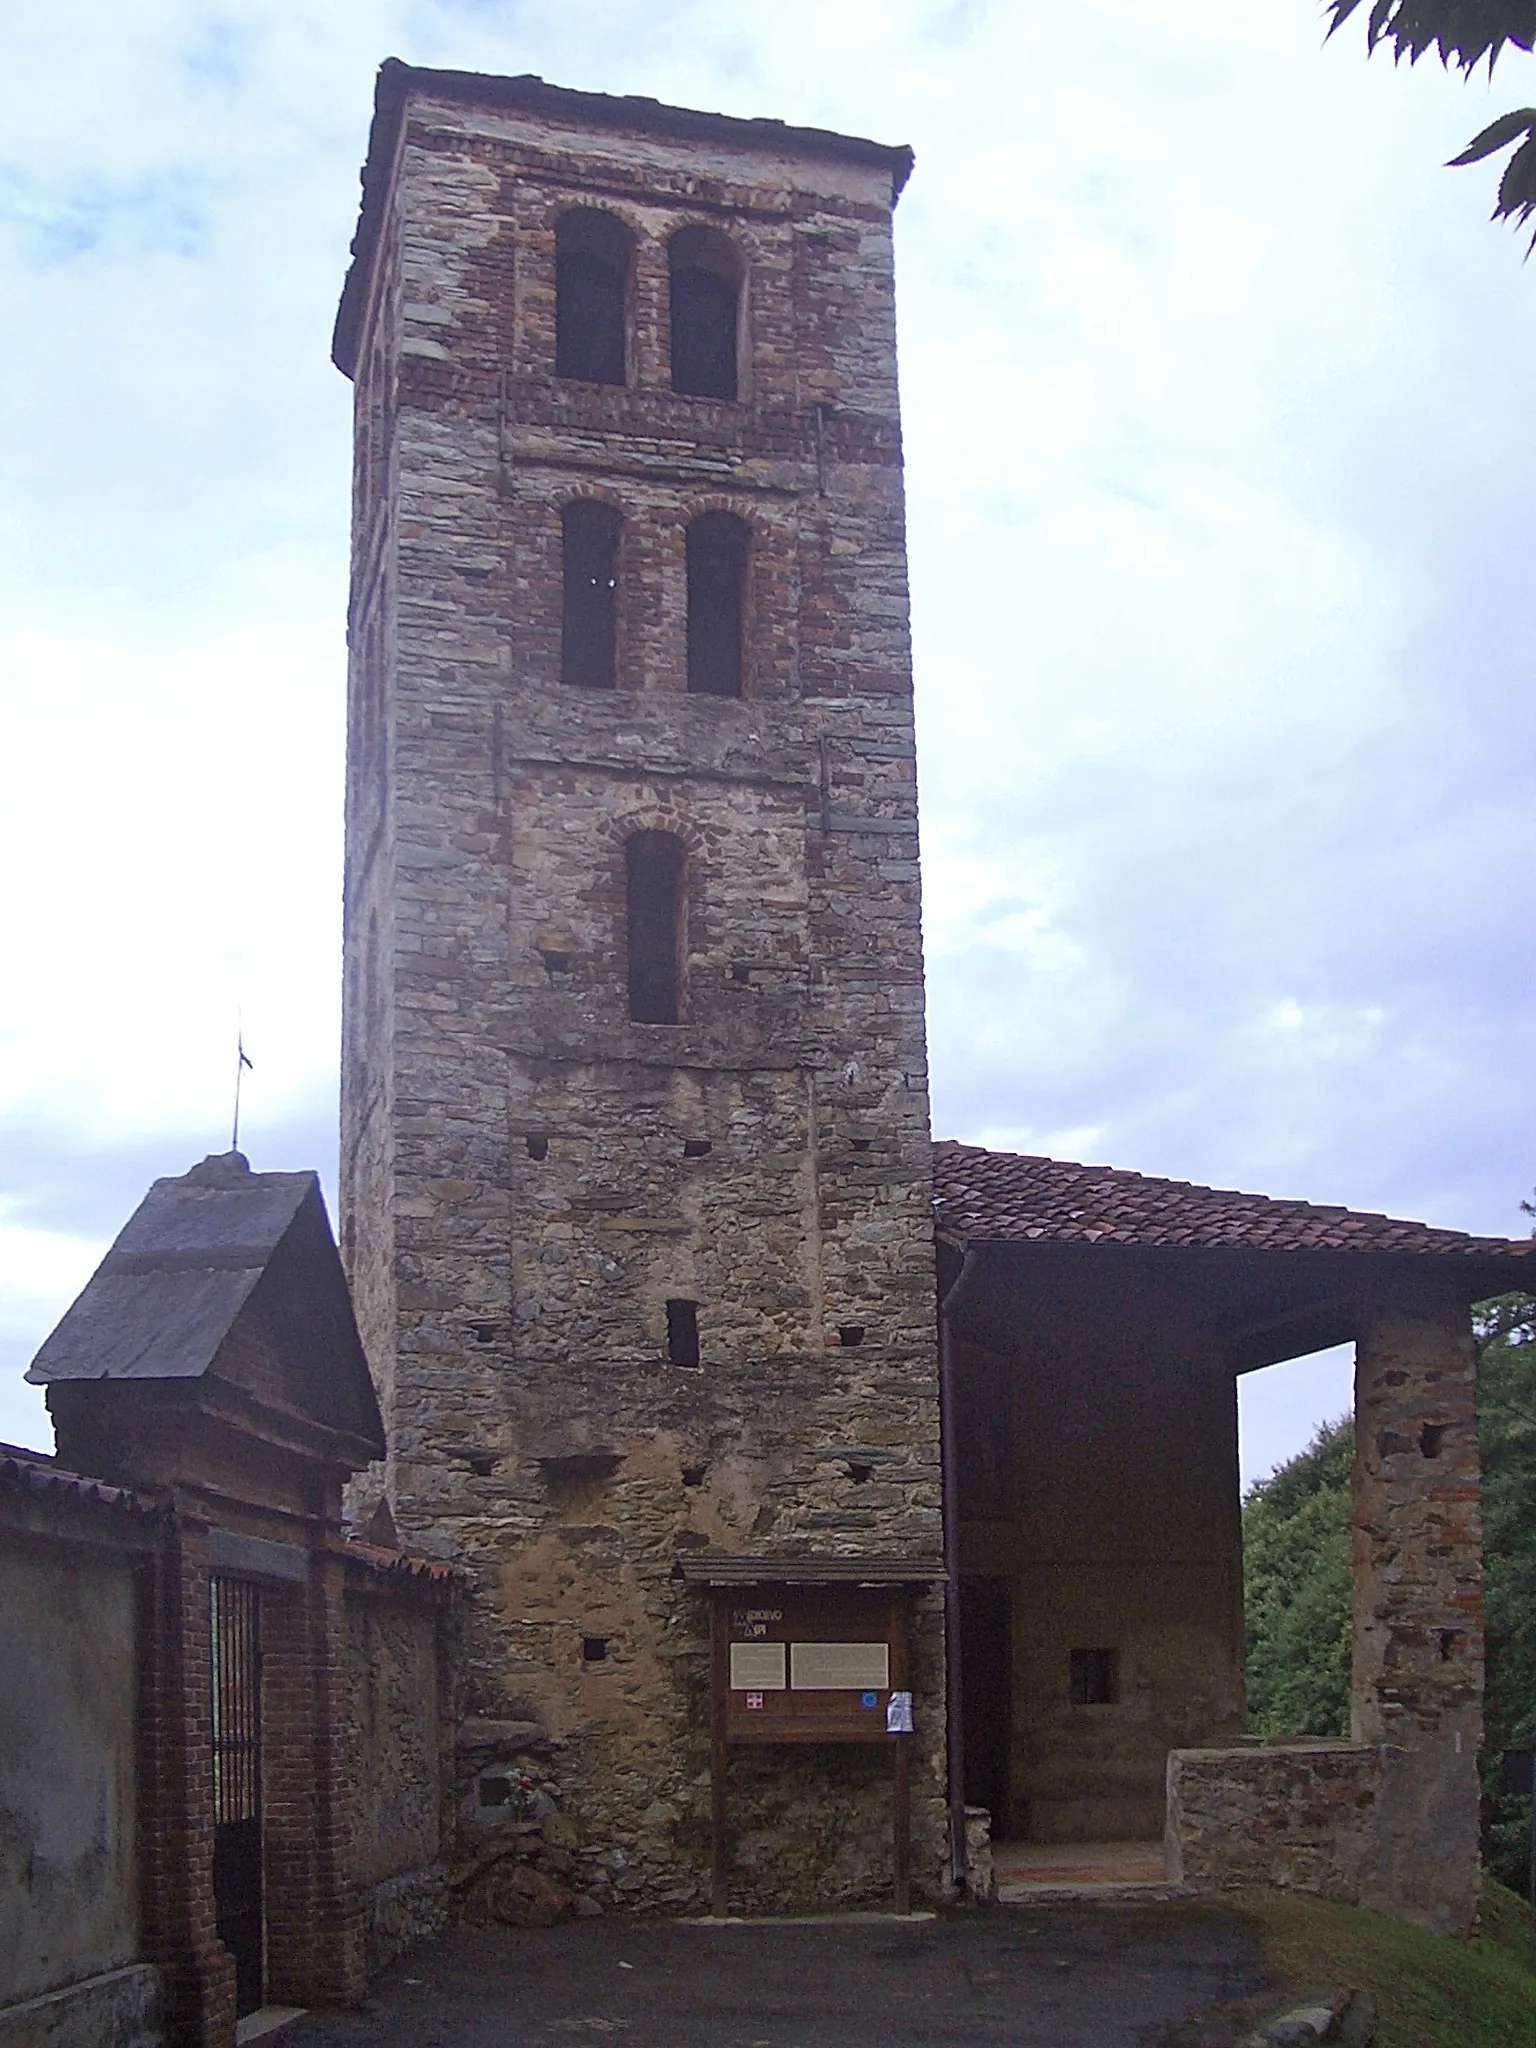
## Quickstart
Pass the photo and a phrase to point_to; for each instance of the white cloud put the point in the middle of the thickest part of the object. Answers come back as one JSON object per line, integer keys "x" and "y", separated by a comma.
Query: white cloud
{"x": 1219, "y": 406}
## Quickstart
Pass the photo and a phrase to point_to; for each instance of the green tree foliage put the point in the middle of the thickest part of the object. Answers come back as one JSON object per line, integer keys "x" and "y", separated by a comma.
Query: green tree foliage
{"x": 1296, "y": 1586}
{"x": 1506, "y": 1421}
{"x": 1462, "y": 33}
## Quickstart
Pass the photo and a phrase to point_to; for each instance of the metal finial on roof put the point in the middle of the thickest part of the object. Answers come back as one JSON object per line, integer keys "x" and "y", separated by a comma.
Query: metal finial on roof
{"x": 242, "y": 1061}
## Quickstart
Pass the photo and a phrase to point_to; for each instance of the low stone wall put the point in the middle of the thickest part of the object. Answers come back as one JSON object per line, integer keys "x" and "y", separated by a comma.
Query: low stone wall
{"x": 1303, "y": 1816}
{"x": 116, "y": 2009}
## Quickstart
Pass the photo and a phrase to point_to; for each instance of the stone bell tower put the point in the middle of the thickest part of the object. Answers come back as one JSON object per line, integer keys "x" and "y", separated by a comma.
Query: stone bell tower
{"x": 635, "y": 1141}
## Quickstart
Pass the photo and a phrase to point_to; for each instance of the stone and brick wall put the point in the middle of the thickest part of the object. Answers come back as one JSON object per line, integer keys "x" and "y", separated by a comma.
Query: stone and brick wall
{"x": 1300, "y": 1815}
{"x": 400, "y": 1704}
{"x": 1418, "y": 1608}
{"x": 1390, "y": 1820}
{"x": 529, "y": 1176}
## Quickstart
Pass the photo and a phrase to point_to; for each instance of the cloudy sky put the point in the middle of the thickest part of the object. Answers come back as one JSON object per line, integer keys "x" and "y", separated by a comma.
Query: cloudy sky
{"x": 1221, "y": 412}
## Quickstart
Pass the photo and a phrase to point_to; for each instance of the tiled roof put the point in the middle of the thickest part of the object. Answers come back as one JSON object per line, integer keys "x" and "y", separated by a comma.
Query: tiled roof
{"x": 401, "y": 1563}
{"x": 1011, "y": 1197}
{"x": 31, "y": 1472}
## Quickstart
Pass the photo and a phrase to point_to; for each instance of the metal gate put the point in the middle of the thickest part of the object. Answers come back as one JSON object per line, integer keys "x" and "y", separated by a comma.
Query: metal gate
{"x": 236, "y": 1629}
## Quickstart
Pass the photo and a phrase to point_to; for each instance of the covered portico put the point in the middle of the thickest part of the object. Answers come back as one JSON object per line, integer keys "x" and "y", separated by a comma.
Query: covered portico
{"x": 1094, "y": 1325}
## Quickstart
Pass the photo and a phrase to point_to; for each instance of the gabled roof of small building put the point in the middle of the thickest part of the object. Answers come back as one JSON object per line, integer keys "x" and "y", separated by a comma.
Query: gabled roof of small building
{"x": 1016, "y": 1198}
{"x": 208, "y": 1259}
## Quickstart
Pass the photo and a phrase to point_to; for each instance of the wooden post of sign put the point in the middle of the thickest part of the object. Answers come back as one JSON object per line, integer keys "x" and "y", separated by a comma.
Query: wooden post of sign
{"x": 720, "y": 1662}
{"x": 901, "y": 1791}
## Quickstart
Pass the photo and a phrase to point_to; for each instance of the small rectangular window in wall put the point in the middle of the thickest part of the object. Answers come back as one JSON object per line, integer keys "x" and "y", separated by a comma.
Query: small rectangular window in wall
{"x": 653, "y": 863}
{"x": 683, "y": 1332}
{"x": 717, "y": 548}
{"x": 1095, "y": 1678}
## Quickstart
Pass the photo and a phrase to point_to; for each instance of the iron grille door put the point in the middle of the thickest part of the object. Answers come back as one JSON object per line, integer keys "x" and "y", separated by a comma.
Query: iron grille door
{"x": 236, "y": 1630}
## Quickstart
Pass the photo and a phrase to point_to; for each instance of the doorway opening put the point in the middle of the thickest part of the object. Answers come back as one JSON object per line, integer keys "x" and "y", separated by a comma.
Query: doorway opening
{"x": 236, "y": 1740}
{"x": 986, "y": 1659}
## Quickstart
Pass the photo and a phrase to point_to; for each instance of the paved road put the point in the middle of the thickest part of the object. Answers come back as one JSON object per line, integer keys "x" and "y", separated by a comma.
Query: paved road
{"x": 1060, "y": 1977}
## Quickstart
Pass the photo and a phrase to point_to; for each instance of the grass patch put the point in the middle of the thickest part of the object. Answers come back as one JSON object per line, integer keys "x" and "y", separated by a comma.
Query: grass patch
{"x": 1429, "y": 1992}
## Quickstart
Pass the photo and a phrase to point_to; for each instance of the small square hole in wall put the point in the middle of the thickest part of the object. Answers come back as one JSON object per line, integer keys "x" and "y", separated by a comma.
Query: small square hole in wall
{"x": 697, "y": 1148}
{"x": 693, "y": 1475}
{"x": 594, "y": 1649}
{"x": 741, "y": 973}
{"x": 538, "y": 1146}
{"x": 861, "y": 1144}
{"x": 494, "y": 1789}
{"x": 1432, "y": 1439}
{"x": 485, "y": 1333}
{"x": 1095, "y": 1678}
{"x": 850, "y": 1334}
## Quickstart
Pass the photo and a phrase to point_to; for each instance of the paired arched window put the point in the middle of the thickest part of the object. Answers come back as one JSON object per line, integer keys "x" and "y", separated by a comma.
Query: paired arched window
{"x": 589, "y": 535}
{"x": 593, "y": 255}
{"x": 653, "y": 890}
{"x": 707, "y": 275}
{"x": 718, "y": 546}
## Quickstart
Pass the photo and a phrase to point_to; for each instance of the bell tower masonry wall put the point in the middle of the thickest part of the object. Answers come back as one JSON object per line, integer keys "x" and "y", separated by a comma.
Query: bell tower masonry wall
{"x": 636, "y": 1175}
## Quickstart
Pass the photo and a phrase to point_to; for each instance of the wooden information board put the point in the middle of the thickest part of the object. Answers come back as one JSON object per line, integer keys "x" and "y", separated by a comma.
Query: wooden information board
{"x": 809, "y": 1662}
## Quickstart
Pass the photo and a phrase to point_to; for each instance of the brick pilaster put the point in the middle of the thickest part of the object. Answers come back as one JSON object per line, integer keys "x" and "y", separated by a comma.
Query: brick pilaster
{"x": 314, "y": 1921}
{"x": 176, "y": 1797}
{"x": 1418, "y": 1631}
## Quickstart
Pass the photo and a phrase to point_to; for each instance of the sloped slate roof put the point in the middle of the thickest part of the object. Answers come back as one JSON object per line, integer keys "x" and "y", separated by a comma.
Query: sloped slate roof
{"x": 1011, "y": 1197}
{"x": 183, "y": 1266}
{"x": 218, "y": 1247}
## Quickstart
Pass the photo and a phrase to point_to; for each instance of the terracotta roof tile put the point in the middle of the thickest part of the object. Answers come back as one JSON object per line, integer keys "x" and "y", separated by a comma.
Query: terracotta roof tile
{"x": 33, "y": 1472}
{"x": 1014, "y": 1197}
{"x": 402, "y": 1563}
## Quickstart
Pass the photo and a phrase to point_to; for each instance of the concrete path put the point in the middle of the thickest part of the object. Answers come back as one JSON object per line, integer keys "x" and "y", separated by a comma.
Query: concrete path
{"x": 1096, "y": 1977}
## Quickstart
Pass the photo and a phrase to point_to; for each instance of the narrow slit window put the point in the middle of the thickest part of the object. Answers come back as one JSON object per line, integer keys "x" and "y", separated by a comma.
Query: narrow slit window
{"x": 653, "y": 864}
{"x": 683, "y": 1332}
{"x": 707, "y": 274}
{"x": 717, "y": 593}
{"x": 593, "y": 255}
{"x": 589, "y": 620}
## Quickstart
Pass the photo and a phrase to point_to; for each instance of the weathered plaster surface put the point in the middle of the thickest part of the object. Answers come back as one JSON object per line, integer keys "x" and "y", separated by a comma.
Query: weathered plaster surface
{"x": 68, "y": 1875}
{"x": 395, "y": 1768}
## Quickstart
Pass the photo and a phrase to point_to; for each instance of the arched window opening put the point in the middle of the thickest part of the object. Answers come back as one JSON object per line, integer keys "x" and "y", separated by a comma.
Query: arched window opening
{"x": 707, "y": 275}
{"x": 653, "y": 864}
{"x": 589, "y": 619}
{"x": 717, "y": 590}
{"x": 592, "y": 264}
